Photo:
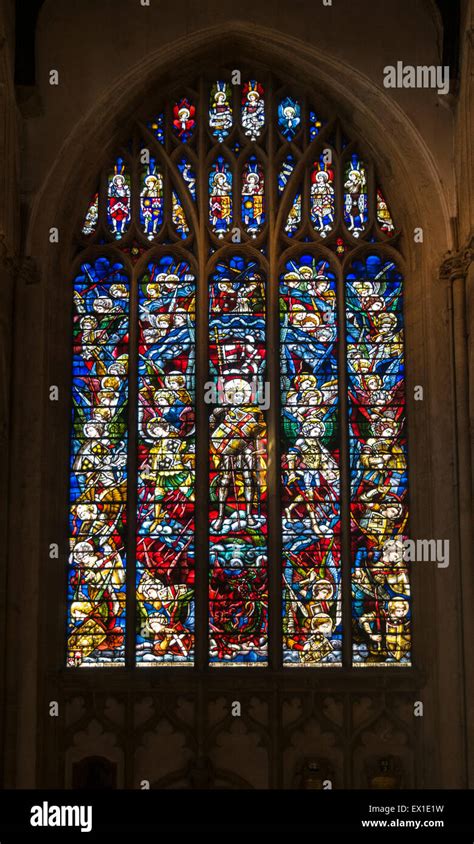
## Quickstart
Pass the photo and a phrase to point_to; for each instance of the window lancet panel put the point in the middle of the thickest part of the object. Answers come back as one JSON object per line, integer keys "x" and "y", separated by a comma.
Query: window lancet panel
{"x": 311, "y": 518}
{"x": 98, "y": 477}
{"x": 166, "y": 464}
{"x": 378, "y": 462}
{"x": 238, "y": 596}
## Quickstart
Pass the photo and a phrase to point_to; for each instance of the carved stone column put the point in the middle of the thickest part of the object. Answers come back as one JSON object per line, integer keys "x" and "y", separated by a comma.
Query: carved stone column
{"x": 7, "y": 269}
{"x": 456, "y": 271}
{"x": 9, "y": 247}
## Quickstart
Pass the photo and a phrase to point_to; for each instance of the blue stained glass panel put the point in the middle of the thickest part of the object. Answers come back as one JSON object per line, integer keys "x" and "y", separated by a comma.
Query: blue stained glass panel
{"x": 311, "y": 523}
{"x": 381, "y": 606}
{"x": 289, "y": 117}
{"x": 98, "y": 466}
{"x": 166, "y": 465}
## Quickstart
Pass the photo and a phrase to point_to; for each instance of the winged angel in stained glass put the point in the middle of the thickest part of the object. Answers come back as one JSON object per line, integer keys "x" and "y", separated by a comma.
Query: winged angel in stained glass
{"x": 253, "y": 109}
{"x": 183, "y": 119}
{"x": 289, "y": 117}
{"x": 322, "y": 197}
{"x": 220, "y": 110}
{"x": 220, "y": 197}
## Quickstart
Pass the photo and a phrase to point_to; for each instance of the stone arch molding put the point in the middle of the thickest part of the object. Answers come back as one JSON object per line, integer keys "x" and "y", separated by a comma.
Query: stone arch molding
{"x": 376, "y": 119}
{"x": 408, "y": 176}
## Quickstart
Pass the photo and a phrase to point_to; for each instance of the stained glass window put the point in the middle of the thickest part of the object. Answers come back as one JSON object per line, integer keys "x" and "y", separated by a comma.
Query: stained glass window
{"x": 238, "y": 470}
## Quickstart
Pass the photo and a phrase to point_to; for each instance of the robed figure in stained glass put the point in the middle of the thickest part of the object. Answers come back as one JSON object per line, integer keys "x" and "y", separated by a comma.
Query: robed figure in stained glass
{"x": 220, "y": 111}
{"x": 322, "y": 199}
{"x": 220, "y": 198}
{"x": 253, "y": 190}
{"x": 235, "y": 433}
{"x": 355, "y": 197}
{"x": 253, "y": 109}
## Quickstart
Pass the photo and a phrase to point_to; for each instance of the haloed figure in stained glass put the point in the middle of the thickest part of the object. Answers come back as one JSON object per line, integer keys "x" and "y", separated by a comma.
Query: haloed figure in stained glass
{"x": 237, "y": 363}
{"x": 184, "y": 122}
{"x": 253, "y": 109}
{"x": 235, "y": 431}
{"x": 220, "y": 198}
{"x": 169, "y": 463}
{"x": 220, "y": 111}
{"x": 151, "y": 200}
{"x": 119, "y": 201}
{"x": 322, "y": 199}
{"x": 253, "y": 197}
{"x": 388, "y": 632}
{"x": 355, "y": 197}
{"x": 289, "y": 117}
{"x": 96, "y": 585}
{"x": 310, "y": 469}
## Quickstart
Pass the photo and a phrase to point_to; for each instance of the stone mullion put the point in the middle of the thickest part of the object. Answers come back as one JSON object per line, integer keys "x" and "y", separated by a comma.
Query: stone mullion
{"x": 273, "y": 416}
{"x": 10, "y": 263}
{"x": 273, "y": 469}
{"x": 458, "y": 271}
{"x": 202, "y": 422}
{"x": 130, "y": 533}
{"x": 6, "y": 314}
{"x": 344, "y": 476}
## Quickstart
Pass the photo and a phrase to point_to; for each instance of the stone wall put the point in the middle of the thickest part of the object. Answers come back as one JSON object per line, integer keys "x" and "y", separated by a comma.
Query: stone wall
{"x": 112, "y": 56}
